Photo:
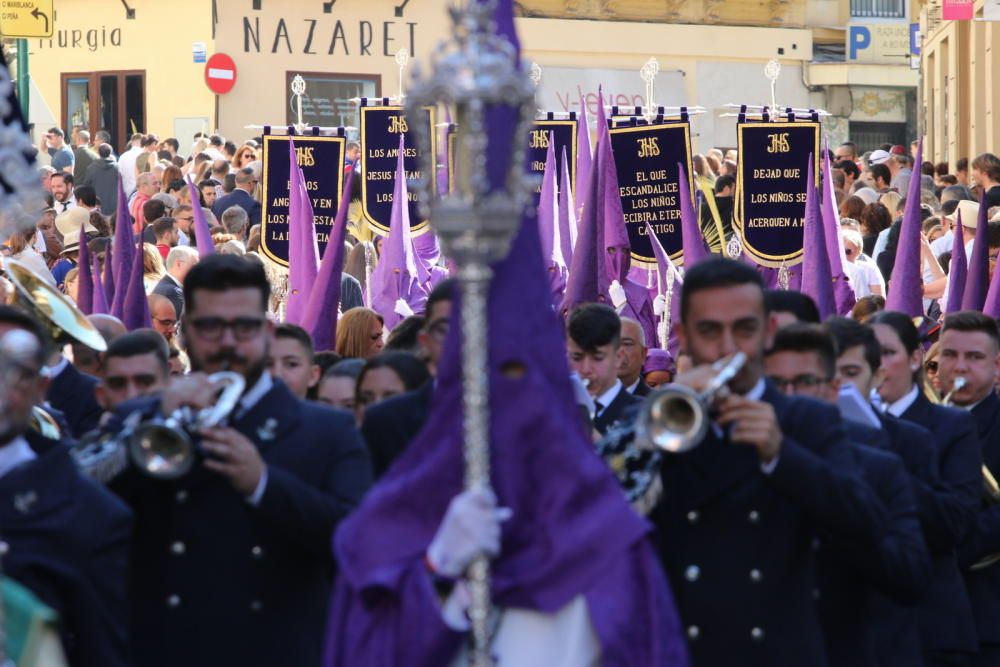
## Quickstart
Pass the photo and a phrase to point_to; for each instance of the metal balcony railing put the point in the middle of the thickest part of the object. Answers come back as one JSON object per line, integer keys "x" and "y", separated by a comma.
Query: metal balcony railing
{"x": 878, "y": 9}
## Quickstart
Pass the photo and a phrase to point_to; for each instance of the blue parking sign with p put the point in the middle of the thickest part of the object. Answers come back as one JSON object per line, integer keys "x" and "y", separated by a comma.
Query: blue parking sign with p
{"x": 860, "y": 39}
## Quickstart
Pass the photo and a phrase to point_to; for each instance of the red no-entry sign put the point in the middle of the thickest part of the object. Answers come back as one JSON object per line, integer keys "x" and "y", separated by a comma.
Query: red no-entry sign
{"x": 220, "y": 74}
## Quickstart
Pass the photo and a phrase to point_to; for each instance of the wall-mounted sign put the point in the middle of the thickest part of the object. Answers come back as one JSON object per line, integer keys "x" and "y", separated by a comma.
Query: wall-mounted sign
{"x": 220, "y": 74}
{"x": 888, "y": 43}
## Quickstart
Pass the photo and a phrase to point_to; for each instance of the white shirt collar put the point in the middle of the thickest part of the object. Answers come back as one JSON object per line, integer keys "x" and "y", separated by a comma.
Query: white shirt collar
{"x": 252, "y": 396}
{"x": 608, "y": 397}
{"x": 14, "y": 453}
{"x": 897, "y": 408}
{"x": 52, "y": 372}
{"x": 635, "y": 385}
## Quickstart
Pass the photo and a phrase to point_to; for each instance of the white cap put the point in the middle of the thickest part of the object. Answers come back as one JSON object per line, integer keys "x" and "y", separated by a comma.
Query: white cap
{"x": 878, "y": 157}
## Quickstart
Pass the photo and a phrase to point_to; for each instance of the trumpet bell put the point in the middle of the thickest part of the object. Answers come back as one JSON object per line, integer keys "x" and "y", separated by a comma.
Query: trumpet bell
{"x": 56, "y": 310}
{"x": 673, "y": 420}
{"x": 162, "y": 451}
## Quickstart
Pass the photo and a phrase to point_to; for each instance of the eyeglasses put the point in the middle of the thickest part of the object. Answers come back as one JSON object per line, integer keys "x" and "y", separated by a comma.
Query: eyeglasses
{"x": 170, "y": 324}
{"x": 212, "y": 328}
{"x": 798, "y": 383}
{"x": 186, "y": 219}
{"x": 931, "y": 367}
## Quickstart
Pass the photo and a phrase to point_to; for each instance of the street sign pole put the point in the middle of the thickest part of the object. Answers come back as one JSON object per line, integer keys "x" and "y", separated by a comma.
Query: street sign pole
{"x": 23, "y": 78}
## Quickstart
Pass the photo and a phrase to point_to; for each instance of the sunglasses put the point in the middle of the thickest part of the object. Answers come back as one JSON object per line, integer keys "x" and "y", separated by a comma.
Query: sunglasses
{"x": 931, "y": 367}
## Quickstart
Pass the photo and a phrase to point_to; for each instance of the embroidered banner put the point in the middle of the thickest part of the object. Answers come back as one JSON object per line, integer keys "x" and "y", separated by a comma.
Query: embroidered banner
{"x": 647, "y": 158}
{"x": 770, "y": 201}
{"x": 322, "y": 162}
{"x": 380, "y": 127}
{"x": 564, "y": 132}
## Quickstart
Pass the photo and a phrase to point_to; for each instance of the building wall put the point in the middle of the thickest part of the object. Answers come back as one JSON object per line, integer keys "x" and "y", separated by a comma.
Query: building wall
{"x": 959, "y": 64}
{"x": 95, "y": 35}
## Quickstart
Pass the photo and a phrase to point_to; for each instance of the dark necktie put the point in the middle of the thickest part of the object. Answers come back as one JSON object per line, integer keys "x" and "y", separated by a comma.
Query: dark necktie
{"x": 598, "y": 409}
{"x": 65, "y": 206}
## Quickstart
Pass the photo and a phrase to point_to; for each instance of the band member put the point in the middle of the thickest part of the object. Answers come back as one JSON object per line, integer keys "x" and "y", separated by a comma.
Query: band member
{"x": 970, "y": 349}
{"x": 593, "y": 333}
{"x": 66, "y": 538}
{"x": 947, "y": 627}
{"x": 739, "y": 512}
{"x": 896, "y": 627}
{"x": 136, "y": 364}
{"x": 802, "y": 362}
{"x": 232, "y": 562}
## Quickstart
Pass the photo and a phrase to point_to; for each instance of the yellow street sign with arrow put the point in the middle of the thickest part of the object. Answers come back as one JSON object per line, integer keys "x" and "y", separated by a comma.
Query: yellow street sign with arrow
{"x": 26, "y": 18}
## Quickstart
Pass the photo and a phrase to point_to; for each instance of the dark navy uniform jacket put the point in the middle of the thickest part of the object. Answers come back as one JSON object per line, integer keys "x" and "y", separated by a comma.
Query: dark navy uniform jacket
{"x": 737, "y": 544}
{"x": 946, "y": 621}
{"x": 616, "y": 410}
{"x": 984, "y": 585}
{"x": 861, "y": 591}
{"x": 216, "y": 581}
{"x": 389, "y": 426}
{"x": 68, "y": 541}
{"x": 72, "y": 393}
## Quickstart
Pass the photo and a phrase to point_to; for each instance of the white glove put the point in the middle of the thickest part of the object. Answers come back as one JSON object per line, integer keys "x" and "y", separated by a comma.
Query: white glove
{"x": 402, "y": 308}
{"x": 617, "y": 293}
{"x": 659, "y": 305}
{"x": 471, "y": 526}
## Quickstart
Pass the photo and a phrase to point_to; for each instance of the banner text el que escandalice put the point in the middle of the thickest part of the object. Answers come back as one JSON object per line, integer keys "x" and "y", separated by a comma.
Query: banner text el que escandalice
{"x": 322, "y": 163}
{"x": 646, "y": 159}
{"x": 380, "y": 127}
{"x": 770, "y": 200}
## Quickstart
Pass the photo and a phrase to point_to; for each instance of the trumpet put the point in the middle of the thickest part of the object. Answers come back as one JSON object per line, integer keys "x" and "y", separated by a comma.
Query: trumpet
{"x": 676, "y": 418}
{"x": 162, "y": 447}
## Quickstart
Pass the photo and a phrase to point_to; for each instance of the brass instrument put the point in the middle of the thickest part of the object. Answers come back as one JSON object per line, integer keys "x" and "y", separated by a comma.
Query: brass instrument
{"x": 42, "y": 423}
{"x": 165, "y": 447}
{"x": 991, "y": 490}
{"x": 675, "y": 418}
{"x": 55, "y": 311}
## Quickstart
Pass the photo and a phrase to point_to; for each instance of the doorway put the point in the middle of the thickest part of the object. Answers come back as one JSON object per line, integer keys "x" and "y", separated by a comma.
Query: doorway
{"x": 110, "y": 101}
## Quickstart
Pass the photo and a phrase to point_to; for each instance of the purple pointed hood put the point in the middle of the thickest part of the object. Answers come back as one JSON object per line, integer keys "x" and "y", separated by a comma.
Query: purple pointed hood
{"x": 548, "y": 227}
{"x": 567, "y": 213}
{"x": 665, "y": 267}
{"x": 906, "y": 283}
{"x": 977, "y": 283}
{"x": 536, "y": 435}
{"x": 842, "y": 290}
{"x": 618, "y": 250}
{"x": 958, "y": 273}
{"x": 202, "y": 233}
{"x": 395, "y": 276}
{"x": 108, "y": 281}
{"x": 85, "y": 283}
{"x": 583, "y": 284}
{"x": 303, "y": 251}
{"x": 320, "y": 317}
{"x": 124, "y": 253}
{"x": 817, "y": 281}
{"x": 135, "y": 311}
{"x": 691, "y": 238}
{"x": 584, "y": 150}
{"x": 100, "y": 301}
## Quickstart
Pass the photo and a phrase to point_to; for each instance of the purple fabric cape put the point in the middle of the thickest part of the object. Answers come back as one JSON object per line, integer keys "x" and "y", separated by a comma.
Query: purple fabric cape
{"x": 202, "y": 234}
{"x": 124, "y": 252}
{"x": 907, "y": 283}
{"x": 303, "y": 251}
{"x": 977, "y": 281}
{"x": 571, "y": 533}
{"x": 817, "y": 281}
{"x": 320, "y": 317}
{"x": 396, "y": 274}
{"x": 992, "y": 305}
{"x": 85, "y": 283}
{"x": 842, "y": 290}
{"x": 959, "y": 270}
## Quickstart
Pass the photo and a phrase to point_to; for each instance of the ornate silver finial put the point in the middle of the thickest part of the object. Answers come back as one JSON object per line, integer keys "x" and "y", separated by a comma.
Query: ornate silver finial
{"x": 298, "y": 90}
{"x": 402, "y": 60}
{"x": 784, "y": 275}
{"x": 734, "y": 248}
{"x": 772, "y": 70}
{"x": 648, "y": 73}
{"x": 536, "y": 74}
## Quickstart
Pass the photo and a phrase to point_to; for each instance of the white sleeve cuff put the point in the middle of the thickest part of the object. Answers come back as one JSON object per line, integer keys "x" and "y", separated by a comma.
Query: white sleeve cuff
{"x": 453, "y": 611}
{"x": 258, "y": 493}
{"x": 768, "y": 468}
